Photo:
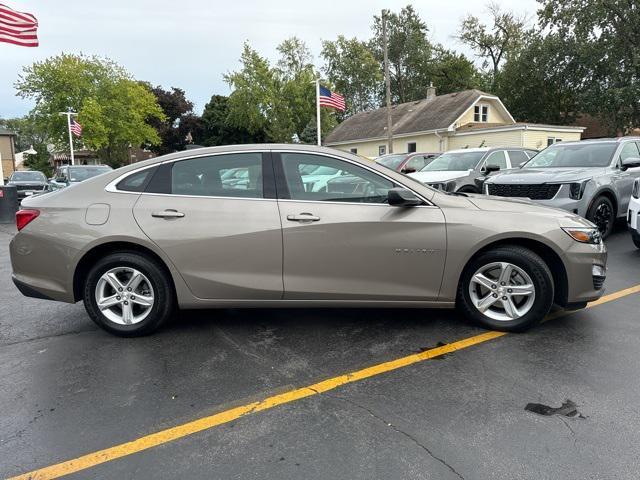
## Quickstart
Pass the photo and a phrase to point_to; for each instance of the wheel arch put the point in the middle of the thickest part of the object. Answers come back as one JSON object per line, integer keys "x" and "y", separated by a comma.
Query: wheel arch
{"x": 97, "y": 251}
{"x": 610, "y": 194}
{"x": 549, "y": 255}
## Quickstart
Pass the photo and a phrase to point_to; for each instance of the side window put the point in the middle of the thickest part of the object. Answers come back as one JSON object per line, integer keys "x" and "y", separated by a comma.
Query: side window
{"x": 517, "y": 157}
{"x": 497, "y": 158}
{"x": 137, "y": 181}
{"x": 629, "y": 150}
{"x": 320, "y": 178}
{"x": 226, "y": 175}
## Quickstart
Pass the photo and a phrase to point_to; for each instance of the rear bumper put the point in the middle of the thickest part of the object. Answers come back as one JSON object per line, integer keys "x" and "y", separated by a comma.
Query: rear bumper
{"x": 29, "y": 291}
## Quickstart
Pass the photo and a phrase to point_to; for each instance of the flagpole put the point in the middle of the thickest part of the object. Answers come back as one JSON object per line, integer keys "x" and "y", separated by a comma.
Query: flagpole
{"x": 68, "y": 115}
{"x": 318, "y": 112}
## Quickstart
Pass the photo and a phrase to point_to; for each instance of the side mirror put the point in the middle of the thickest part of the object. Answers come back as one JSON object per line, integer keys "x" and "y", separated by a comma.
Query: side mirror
{"x": 631, "y": 162}
{"x": 401, "y": 197}
{"x": 408, "y": 170}
{"x": 490, "y": 169}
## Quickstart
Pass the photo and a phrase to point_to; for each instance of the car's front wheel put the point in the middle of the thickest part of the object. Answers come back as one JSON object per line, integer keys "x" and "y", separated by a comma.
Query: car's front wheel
{"x": 509, "y": 288}
{"x": 128, "y": 294}
{"x": 603, "y": 214}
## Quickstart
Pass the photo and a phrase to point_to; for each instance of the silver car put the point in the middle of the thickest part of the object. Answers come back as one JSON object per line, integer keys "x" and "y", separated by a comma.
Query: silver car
{"x": 137, "y": 242}
{"x": 465, "y": 170}
{"x": 592, "y": 178}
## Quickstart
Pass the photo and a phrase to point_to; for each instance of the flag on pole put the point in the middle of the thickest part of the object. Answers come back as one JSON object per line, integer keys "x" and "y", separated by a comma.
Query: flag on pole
{"x": 331, "y": 99}
{"x": 75, "y": 128}
{"x": 18, "y": 28}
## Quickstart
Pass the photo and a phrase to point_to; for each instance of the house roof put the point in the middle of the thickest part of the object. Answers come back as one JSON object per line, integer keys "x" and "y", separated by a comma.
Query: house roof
{"x": 476, "y": 127}
{"x": 438, "y": 113}
{"x": 4, "y": 131}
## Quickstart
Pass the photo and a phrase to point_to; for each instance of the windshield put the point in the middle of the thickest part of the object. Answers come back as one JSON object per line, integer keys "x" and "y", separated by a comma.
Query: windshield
{"x": 28, "y": 177}
{"x": 575, "y": 155}
{"x": 455, "y": 161}
{"x": 78, "y": 174}
{"x": 391, "y": 161}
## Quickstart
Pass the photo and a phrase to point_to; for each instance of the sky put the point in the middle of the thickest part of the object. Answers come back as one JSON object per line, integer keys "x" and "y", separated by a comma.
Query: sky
{"x": 191, "y": 44}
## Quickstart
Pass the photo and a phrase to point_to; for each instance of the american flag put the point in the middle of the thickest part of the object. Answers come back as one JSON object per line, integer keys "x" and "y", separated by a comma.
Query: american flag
{"x": 76, "y": 128}
{"x": 18, "y": 28}
{"x": 331, "y": 99}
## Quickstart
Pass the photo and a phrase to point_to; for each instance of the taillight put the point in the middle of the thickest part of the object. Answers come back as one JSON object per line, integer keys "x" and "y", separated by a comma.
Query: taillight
{"x": 25, "y": 217}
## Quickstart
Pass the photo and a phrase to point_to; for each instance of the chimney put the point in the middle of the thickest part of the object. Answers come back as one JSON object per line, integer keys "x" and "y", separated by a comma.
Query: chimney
{"x": 431, "y": 92}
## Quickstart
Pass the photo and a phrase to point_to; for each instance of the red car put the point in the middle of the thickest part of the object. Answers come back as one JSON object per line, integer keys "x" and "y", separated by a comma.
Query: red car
{"x": 407, "y": 162}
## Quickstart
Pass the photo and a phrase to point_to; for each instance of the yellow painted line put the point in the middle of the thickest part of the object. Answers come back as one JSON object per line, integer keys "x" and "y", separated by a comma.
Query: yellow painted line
{"x": 180, "y": 431}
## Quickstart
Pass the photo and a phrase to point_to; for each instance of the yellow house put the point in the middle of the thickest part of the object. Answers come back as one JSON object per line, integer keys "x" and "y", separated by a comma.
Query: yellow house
{"x": 440, "y": 123}
{"x": 7, "y": 152}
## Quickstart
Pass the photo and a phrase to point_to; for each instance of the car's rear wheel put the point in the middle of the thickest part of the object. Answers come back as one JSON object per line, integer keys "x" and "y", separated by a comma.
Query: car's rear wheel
{"x": 603, "y": 214}
{"x": 128, "y": 294}
{"x": 509, "y": 288}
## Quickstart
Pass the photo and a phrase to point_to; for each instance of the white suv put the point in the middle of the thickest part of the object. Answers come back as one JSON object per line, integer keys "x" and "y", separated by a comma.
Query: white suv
{"x": 633, "y": 215}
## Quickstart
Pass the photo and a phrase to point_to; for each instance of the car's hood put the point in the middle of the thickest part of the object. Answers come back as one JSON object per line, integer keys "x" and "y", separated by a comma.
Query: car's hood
{"x": 518, "y": 205}
{"x": 545, "y": 175}
{"x": 439, "y": 176}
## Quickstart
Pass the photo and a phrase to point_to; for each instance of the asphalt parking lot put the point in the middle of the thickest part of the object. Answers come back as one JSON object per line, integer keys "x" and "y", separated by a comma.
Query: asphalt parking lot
{"x": 69, "y": 390}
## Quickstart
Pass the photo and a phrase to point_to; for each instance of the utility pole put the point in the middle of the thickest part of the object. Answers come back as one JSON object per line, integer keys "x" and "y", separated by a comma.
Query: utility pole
{"x": 68, "y": 115}
{"x": 385, "y": 41}
{"x": 318, "y": 122}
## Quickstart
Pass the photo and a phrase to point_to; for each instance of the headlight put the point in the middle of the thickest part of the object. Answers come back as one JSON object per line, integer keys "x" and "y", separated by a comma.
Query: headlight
{"x": 576, "y": 190}
{"x": 584, "y": 235}
{"x": 450, "y": 186}
{"x": 636, "y": 189}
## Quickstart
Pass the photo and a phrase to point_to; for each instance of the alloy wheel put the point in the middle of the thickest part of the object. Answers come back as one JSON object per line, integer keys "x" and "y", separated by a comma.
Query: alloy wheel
{"x": 502, "y": 291}
{"x": 124, "y": 295}
{"x": 602, "y": 217}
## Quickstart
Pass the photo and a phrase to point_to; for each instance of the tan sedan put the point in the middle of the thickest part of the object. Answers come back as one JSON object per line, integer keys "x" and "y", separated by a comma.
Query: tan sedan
{"x": 243, "y": 226}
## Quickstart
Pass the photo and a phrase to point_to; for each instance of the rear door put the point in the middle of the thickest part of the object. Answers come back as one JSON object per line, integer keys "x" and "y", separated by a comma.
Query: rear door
{"x": 217, "y": 219}
{"x": 346, "y": 243}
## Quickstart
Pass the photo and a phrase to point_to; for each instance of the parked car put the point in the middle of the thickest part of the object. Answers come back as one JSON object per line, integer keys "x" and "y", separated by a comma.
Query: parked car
{"x": 633, "y": 214}
{"x": 407, "y": 162}
{"x": 134, "y": 243}
{"x": 591, "y": 178}
{"x": 462, "y": 170}
{"x": 28, "y": 182}
{"x": 69, "y": 174}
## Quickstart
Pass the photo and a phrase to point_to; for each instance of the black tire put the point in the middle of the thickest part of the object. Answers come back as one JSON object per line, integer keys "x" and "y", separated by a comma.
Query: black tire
{"x": 603, "y": 214}
{"x": 530, "y": 263}
{"x": 164, "y": 295}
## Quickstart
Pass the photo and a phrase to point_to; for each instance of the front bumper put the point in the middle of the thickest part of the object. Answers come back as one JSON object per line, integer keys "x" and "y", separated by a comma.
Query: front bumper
{"x": 561, "y": 200}
{"x": 633, "y": 218}
{"x": 586, "y": 267}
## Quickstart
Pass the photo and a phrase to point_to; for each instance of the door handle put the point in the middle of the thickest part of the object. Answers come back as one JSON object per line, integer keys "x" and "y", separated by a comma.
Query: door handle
{"x": 303, "y": 217}
{"x": 169, "y": 213}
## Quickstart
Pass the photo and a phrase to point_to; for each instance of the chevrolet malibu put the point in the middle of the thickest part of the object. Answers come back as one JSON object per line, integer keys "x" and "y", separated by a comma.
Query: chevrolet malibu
{"x": 135, "y": 243}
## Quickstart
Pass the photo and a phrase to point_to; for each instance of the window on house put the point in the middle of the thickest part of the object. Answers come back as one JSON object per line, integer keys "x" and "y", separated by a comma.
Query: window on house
{"x": 552, "y": 140}
{"x": 481, "y": 113}
{"x": 382, "y": 149}
{"x": 354, "y": 151}
{"x": 411, "y": 147}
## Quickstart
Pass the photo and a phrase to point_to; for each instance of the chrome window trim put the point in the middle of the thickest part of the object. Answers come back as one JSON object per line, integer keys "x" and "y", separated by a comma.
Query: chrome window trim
{"x": 111, "y": 186}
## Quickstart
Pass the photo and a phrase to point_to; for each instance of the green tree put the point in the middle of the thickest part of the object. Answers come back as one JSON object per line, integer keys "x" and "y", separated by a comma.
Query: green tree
{"x": 217, "y": 128}
{"x": 607, "y": 35}
{"x": 410, "y": 54}
{"x": 274, "y": 103}
{"x": 453, "y": 72}
{"x": 351, "y": 66}
{"x": 30, "y": 134}
{"x": 113, "y": 109}
{"x": 542, "y": 83}
{"x": 176, "y": 108}
{"x": 493, "y": 43}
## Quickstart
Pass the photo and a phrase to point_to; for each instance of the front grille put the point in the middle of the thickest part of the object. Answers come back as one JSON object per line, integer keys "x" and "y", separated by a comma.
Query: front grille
{"x": 598, "y": 282}
{"x": 21, "y": 188}
{"x": 534, "y": 192}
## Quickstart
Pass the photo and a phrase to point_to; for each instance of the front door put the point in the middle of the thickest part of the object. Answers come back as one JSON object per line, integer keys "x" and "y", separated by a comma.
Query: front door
{"x": 213, "y": 217}
{"x": 344, "y": 242}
